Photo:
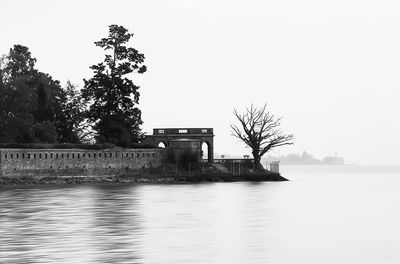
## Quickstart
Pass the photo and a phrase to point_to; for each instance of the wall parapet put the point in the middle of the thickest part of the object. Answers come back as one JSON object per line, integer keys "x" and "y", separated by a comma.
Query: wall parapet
{"x": 24, "y": 162}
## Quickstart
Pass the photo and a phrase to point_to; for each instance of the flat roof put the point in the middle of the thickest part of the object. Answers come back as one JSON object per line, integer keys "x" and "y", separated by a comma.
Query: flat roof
{"x": 182, "y": 131}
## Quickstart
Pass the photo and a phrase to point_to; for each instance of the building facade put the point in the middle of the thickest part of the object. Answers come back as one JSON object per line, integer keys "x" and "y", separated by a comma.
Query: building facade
{"x": 182, "y": 140}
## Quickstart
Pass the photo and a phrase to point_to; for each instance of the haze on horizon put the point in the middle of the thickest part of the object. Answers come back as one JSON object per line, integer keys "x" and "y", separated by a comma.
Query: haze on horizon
{"x": 332, "y": 70}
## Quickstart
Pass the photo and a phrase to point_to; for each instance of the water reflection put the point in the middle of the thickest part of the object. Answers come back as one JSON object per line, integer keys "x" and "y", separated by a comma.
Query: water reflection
{"x": 82, "y": 224}
{"x": 318, "y": 217}
{"x": 115, "y": 228}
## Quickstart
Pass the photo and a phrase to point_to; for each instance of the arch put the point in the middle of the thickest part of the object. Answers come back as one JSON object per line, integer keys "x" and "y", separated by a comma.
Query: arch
{"x": 204, "y": 150}
{"x": 162, "y": 144}
{"x": 207, "y": 151}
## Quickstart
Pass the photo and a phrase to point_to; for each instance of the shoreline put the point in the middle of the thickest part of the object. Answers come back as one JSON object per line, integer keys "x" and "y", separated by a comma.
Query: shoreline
{"x": 139, "y": 179}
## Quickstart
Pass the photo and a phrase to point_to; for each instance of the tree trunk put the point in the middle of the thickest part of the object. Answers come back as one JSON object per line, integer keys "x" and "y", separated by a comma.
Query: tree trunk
{"x": 257, "y": 162}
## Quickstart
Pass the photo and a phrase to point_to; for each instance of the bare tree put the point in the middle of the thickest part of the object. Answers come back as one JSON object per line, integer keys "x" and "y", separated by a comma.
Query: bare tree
{"x": 259, "y": 130}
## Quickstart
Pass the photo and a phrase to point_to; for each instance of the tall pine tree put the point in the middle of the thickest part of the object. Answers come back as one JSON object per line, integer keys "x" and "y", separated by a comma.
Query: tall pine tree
{"x": 111, "y": 94}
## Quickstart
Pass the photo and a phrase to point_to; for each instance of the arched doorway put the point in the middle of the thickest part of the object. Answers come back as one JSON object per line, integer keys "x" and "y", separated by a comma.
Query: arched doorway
{"x": 205, "y": 150}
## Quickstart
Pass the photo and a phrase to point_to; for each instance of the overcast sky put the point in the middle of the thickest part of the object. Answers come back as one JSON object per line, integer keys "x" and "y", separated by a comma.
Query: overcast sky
{"x": 330, "y": 68}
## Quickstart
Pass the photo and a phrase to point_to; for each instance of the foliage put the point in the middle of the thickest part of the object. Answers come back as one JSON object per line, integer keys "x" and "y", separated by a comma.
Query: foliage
{"x": 111, "y": 95}
{"x": 32, "y": 103}
{"x": 45, "y": 132}
{"x": 34, "y": 108}
{"x": 259, "y": 130}
{"x": 70, "y": 118}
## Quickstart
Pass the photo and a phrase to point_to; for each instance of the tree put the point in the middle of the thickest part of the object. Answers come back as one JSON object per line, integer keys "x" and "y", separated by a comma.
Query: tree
{"x": 28, "y": 99}
{"x": 259, "y": 130}
{"x": 69, "y": 117}
{"x": 111, "y": 95}
{"x": 18, "y": 100}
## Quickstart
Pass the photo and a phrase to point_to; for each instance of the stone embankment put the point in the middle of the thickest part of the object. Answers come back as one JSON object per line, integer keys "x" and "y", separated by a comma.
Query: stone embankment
{"x": 146, "y": 178}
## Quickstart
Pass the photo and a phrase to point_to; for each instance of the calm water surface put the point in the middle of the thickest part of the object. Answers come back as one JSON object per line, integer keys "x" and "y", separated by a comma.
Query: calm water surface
{"x": 323, "y": 215}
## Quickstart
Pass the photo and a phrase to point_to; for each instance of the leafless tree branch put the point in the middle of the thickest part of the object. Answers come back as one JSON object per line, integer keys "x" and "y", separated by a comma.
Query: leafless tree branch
{"x": 259, "y": 130}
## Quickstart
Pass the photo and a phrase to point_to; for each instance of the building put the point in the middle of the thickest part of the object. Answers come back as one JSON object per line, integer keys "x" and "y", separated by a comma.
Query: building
{"x": 182, "y": 141}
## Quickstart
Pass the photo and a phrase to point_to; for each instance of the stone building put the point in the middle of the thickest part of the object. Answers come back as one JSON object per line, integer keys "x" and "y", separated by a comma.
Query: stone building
{"x": 183, "y": 140}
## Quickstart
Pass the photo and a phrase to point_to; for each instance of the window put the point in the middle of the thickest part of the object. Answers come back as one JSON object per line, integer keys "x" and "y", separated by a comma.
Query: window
{"x": 116, "y": 155}
{"x": 148, "y": 155}
{"x": 110, "y": 155}
{"x": 79, "y": 155}
{"x": 137, "y": 155}
{"x": 182, "y": 131}
{"x": 143, "y": 155}
{"x": 73, "y": 155}
{"x": 51, "y": 155}
{"x": 161, "y": 131}
{"x": 67, "y": 155}
{"x": 17, "y": 155}
{"x": 127, "y": 155}
{"x": 11, "y": 156}
{"x": 88, "y": 155}
{"x": 29, "y": 155}
{"x": 45, "y": 156}
{"x": 5, "y": 156}
{"x": 56, "y": 155}
{"x": 83, "y": 155}
{"x": 132, "y": 155}
{"x": 34, "y": 156}
{"x": 94, "y": 155}
{"x": 99, "y": 155}
{"x": 154, "y": 154}
{"x": 204, "y": 131}
{"x": 40, "y": 155}
{"x": 62, "y": 155}
{"x": 23, "y": 155}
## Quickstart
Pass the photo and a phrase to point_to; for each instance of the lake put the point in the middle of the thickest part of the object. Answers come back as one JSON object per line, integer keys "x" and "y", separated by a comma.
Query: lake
{"x": 323, "y": 215}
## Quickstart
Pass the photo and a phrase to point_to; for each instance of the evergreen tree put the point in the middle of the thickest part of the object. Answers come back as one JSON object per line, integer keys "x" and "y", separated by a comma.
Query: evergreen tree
{"x": 28, "y": 99}
{"x": 111, "y": 94}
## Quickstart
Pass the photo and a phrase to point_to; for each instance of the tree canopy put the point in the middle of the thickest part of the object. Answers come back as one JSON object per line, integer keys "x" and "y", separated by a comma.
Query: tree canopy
{"x": 29, "y": 99}
{"x": 111, "y": 95}
{"x": 35, "y": 108}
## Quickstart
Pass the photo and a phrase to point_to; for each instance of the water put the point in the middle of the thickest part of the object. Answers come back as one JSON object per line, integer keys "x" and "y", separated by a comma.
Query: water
{"x": 323, "y": 215}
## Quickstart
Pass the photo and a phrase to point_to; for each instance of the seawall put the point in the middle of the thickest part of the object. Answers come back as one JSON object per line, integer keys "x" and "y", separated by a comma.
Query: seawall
{"x": 129, "y": 178}
{"x": 76, "y": 162}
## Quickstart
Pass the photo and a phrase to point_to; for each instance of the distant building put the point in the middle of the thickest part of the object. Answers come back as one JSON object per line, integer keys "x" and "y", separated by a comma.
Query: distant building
{"x": 333, "y": 160}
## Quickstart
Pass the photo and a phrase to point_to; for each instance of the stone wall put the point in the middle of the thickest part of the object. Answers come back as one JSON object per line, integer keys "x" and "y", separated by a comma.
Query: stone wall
{"x": 69, "y": 162}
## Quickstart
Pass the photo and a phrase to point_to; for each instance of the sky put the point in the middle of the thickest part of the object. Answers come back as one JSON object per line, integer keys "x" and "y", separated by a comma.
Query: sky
{"x": 331, "y": 69}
